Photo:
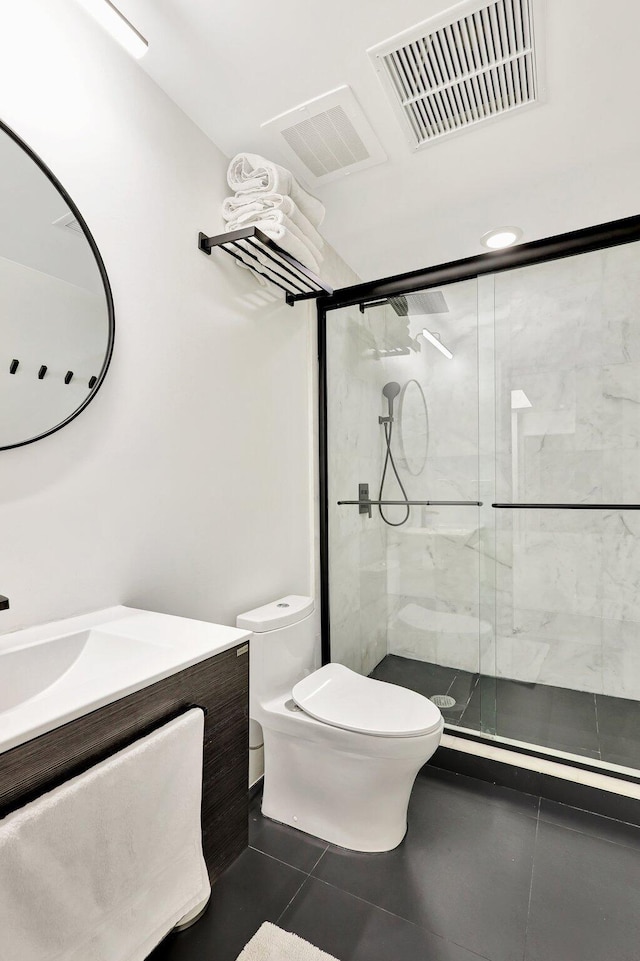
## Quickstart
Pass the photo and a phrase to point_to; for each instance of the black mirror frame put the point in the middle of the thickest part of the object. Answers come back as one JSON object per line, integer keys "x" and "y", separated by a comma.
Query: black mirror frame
{"x": 105, "y": 282}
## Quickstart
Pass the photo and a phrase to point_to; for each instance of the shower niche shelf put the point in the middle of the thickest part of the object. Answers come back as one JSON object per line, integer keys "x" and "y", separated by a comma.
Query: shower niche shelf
{"x": 264, "y": 257}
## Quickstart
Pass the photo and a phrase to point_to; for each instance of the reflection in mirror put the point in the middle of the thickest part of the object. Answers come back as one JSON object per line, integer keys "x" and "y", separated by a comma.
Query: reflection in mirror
{"x": 56, "y": 315}
{"x": 414, "y": 427}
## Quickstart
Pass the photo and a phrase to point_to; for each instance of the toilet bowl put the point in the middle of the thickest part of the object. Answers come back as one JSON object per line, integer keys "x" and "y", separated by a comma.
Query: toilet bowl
{"x": 341, "y": 751}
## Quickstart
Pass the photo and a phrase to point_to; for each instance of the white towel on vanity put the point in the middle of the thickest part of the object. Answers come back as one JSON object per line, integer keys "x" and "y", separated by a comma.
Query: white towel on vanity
{"x": 249, "y": 173}
{"x": 101, "y": 868}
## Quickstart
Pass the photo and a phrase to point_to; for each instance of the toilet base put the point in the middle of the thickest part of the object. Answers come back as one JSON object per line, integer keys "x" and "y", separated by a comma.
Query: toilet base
{"x": 356, "y": 801}
{"x": 332, "y": 839}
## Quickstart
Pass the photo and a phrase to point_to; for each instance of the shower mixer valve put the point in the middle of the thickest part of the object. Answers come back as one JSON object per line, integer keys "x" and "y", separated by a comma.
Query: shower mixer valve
{"x": 363, "y": 495}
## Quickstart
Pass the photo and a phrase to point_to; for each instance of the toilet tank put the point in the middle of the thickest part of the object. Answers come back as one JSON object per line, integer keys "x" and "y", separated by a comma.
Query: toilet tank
{"x": 282, "y": 650}
{"x": 282, "y": 645}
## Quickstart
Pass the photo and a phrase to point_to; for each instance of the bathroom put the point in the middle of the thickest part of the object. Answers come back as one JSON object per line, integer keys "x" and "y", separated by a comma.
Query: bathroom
{"x": 192, "y": 485}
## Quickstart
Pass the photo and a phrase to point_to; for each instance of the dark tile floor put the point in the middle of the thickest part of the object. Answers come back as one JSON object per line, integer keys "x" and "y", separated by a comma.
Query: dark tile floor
{"x": 592, "y": 725}
{"x": 484, "y": 872}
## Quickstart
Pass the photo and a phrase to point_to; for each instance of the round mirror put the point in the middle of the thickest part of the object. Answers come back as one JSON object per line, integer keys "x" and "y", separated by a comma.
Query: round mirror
{"x": 56, "y": 310}
{"x": 414, "y": 427}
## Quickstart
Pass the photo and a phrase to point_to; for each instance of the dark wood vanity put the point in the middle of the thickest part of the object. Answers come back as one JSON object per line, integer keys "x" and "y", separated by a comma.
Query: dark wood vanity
{"x": 220, "y": 685}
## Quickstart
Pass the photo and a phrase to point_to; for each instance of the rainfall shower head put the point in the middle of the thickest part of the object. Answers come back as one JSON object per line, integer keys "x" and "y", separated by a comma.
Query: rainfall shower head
{"x": 427, "y": 302}
{"x": 419, "y": 303}
{"x": 390, "y": 391}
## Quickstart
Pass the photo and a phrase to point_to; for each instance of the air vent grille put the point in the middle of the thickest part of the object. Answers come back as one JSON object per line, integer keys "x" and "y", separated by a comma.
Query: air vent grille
{"x": 326, "y": 142}
{"x": 447, "y": 74}
{"x": 327, "y": 137}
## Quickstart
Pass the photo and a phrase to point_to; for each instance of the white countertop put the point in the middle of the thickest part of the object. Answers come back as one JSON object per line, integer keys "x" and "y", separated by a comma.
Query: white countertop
{"x": 56, "y": 672}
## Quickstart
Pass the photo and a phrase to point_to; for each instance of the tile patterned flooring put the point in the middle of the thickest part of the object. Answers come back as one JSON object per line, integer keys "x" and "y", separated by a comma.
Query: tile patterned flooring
{"x": 592, "y": 725}
{"x": 483, "y": 873}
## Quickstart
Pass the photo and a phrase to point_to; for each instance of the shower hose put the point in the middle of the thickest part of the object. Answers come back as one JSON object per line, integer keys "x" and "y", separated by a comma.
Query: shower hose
{"x": 388, "y": 429}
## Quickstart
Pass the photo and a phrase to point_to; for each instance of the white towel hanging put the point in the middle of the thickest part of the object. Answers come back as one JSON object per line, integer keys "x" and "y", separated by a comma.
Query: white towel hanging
{"x": 103, "y": 867}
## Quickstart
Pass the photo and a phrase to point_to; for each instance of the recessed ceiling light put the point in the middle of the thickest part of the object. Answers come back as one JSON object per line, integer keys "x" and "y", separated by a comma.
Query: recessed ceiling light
{"x": 115, "y": 23}
{"x": 501, "y": 237}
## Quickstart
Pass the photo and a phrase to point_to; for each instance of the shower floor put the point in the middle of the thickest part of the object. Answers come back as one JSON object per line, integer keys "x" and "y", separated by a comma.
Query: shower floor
{"x": 593, "y": 725}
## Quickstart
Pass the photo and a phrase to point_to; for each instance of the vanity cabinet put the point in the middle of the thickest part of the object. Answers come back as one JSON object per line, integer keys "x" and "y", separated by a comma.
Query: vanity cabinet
{"x": 219, "y": 685}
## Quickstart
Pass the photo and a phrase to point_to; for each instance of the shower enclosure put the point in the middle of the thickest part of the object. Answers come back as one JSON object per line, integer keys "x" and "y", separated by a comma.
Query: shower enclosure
{"x": 481, "y": 471}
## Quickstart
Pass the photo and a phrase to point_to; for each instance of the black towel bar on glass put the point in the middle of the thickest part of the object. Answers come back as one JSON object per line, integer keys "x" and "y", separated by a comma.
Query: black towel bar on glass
{"x": 571, "y": 507}
{"x": 368, "y": 503}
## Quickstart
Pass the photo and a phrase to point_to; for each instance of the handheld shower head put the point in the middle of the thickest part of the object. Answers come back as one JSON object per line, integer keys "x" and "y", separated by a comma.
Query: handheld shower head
{"x": 390, "y": 391}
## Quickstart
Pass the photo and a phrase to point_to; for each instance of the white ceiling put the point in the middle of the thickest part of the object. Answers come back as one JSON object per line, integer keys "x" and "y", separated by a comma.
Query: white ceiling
{"x": 571, "y": 162}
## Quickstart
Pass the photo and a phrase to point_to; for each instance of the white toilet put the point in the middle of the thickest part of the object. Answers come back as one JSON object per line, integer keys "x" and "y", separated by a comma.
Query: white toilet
{"x": 341, "y": 751}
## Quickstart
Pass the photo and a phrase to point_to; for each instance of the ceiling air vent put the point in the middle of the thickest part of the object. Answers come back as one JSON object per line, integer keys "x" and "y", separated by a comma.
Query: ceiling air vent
{"x": 475, "y": 62}
{"x": 328, "y": 137}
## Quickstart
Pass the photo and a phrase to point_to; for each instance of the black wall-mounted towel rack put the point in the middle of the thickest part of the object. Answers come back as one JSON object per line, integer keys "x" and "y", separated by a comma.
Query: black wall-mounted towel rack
{"x": 262, "y": 255}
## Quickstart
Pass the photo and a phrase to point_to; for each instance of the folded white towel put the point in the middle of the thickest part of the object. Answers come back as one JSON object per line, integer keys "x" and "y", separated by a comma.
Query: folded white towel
{"x": 249, "y": 173}
{"x": 103, "y": 867}
{"x": 249, "y": 207}
{"x": 289, "y": 242}
{"x": 275, "y": 219}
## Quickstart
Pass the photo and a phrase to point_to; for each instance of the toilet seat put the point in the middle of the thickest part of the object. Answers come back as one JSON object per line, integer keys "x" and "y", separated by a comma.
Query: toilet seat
{"x": 338, "y": 696}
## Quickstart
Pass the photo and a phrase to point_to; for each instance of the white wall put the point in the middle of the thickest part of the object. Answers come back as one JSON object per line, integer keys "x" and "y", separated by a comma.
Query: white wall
{"x": 186, "y": 486}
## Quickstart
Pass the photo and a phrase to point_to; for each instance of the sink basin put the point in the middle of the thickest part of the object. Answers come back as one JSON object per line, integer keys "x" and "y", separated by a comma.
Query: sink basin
{"x": 51, "y": 674}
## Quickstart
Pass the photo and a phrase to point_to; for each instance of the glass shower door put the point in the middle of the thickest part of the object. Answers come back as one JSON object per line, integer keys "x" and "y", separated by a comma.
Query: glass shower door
{"x": 407, "y": 579}
{"x": 568, "y": 472}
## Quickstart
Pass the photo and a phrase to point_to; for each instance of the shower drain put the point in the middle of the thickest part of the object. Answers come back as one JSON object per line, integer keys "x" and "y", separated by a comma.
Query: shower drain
{"x": 443, "y": 700}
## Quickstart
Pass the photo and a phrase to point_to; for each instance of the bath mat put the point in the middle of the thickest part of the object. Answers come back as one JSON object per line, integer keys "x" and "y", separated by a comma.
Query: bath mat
{"x": 271, "y": 943}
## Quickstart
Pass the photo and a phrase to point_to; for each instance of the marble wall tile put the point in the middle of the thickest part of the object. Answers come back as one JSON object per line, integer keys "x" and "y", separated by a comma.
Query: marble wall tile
{"x": 346, "y": 645}
{"x": 548, "y": 660}
{"x": 422, "y": 629}
{"x": 373, "y": 633}
{"x": 357, "y": 543}
{"x": 621, "y": 658}
{"x": 568, "y": 333}
{"x": 554, "y": 596}
{"x": 407, "y": 642}
{"x": 560, "y": 476}
{"x": 621, "y": 304}
{"x": 530, "y": 282}
{"x": 558, "y": 572}
{"x": 621, "y": 476}
{"x": 621, "y": 566}
{"x": 449, "y": 478}
{"x": 621, "y": 406}
{"x": 441, "y": 563}
{"x": 557, "y": 626}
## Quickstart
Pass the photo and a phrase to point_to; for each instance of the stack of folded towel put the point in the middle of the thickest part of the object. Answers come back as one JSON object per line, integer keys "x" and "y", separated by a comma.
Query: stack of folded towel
{"x": 268, "y": 196}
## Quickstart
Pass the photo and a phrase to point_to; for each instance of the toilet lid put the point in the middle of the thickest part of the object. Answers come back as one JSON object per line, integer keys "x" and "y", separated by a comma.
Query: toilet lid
{"x": 339, "y": 696}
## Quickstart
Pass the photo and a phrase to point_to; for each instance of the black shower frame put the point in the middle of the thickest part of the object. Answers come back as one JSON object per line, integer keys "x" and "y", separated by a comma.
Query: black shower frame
{"x": 585, "y": 240}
